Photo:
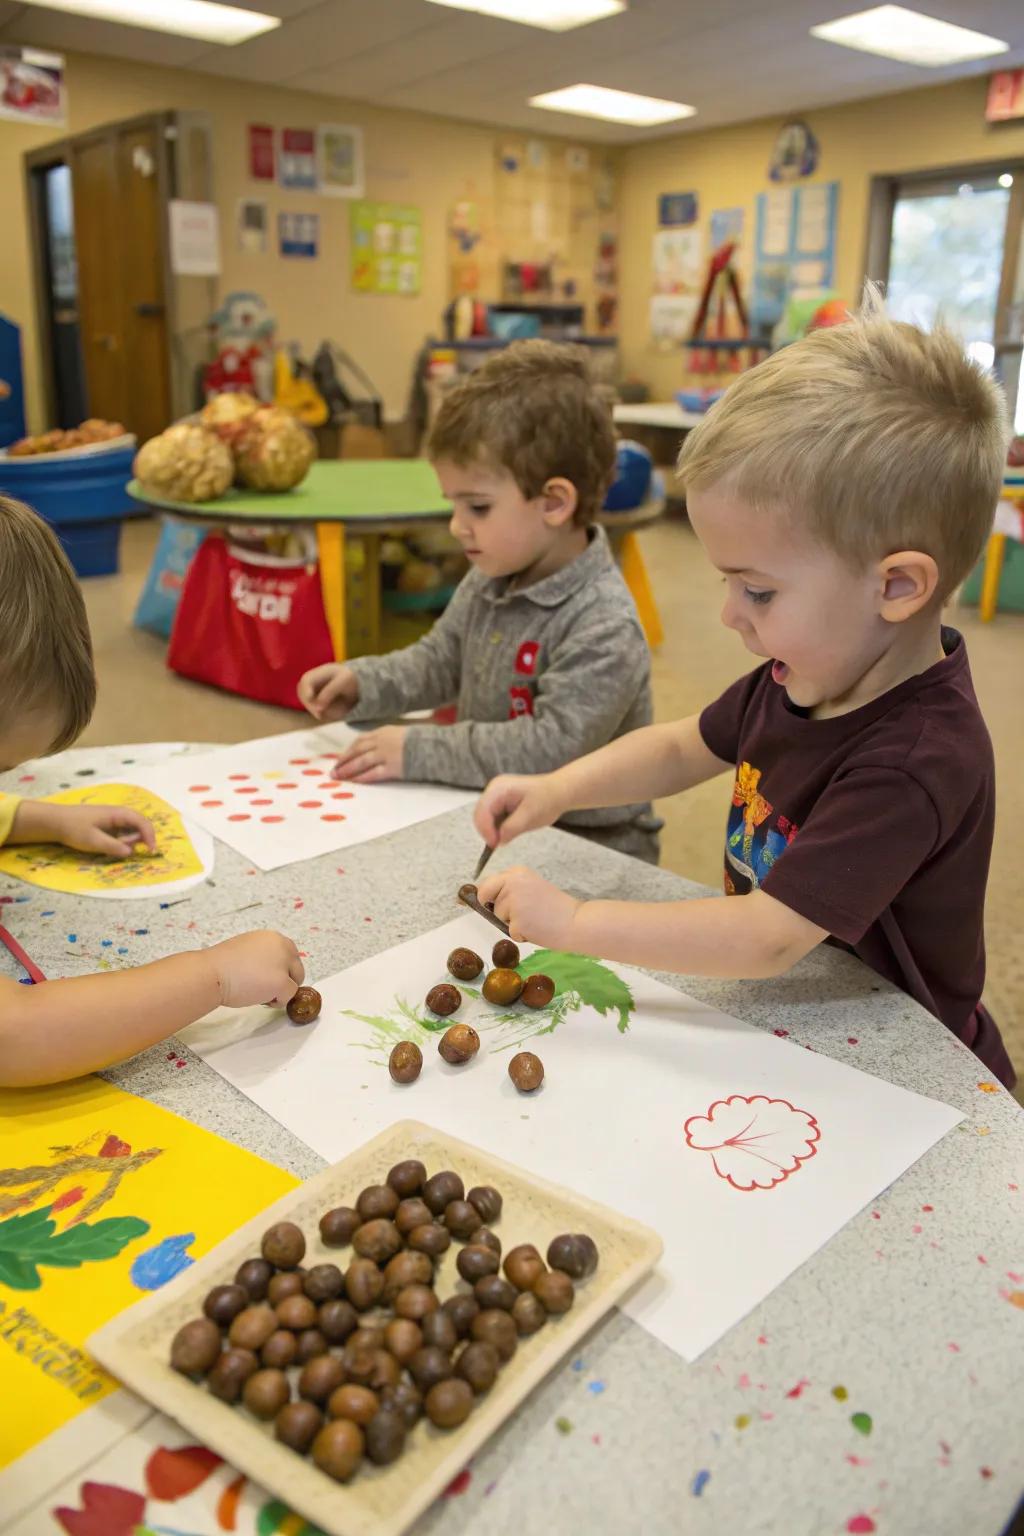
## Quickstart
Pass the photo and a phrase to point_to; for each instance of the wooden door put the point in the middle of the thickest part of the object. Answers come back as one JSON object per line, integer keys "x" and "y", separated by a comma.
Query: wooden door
{"x": 98, "y": 248}
{"x": 119, "y": 222}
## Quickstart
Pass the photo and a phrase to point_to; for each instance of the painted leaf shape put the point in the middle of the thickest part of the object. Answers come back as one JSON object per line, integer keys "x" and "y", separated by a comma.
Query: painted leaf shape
{"x": 171, "y": 1474}
{"x": 272, "y": 1517}
{"x": 30, "y": 1240}
{"x": 106, "y": 1511}
{"x": 597, "y": 985}
{"x": 755, "y": 1143}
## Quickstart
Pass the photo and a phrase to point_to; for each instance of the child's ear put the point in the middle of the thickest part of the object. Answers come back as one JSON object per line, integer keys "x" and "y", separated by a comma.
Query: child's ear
{"x": 560, "y": 500}
{"x": 907, "y": 583}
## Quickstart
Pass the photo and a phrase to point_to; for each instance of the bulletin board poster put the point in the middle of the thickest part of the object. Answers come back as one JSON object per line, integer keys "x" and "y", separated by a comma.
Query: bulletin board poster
{"x": 795, "y": 248}
{"x": 32, "y": 86}
{"x": 387, "y": 248}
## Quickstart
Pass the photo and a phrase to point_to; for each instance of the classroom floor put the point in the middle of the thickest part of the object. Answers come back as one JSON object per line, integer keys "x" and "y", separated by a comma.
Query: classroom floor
{"x": 139, "y": 700}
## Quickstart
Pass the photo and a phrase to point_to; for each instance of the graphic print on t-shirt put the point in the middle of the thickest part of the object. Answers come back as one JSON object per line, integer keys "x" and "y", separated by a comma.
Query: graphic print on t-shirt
{"x": 757, "y": 834}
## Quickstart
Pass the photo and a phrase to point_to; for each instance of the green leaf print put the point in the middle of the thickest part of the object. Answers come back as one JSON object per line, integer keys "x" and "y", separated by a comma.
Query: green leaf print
{"x": 32, "y": 1239}
{"x": 596, "y": 986}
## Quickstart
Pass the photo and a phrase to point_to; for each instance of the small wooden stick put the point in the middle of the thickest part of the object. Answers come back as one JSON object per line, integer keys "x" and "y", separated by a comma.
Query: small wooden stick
{"x": 469, "y": 898}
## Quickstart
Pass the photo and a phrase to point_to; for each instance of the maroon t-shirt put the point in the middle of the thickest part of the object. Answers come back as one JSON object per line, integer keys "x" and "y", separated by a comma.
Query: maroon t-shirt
{"x": 876, "y": 825}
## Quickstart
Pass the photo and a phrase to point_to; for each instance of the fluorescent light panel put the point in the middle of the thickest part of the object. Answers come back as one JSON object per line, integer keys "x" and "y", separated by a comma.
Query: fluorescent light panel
{"x": 613, "y": 106}
{"x": 553, "y": 15}
{"x": 896, "y": 33}
{"x": 202, "y": 19}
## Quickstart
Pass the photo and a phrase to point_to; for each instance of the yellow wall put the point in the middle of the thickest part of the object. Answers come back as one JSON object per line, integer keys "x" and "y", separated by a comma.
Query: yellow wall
{"x": 410, "y": 158}
{"x": 938, "y": 126}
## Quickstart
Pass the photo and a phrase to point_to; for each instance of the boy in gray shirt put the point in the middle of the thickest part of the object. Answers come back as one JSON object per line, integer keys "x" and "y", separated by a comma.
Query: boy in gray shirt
{"x": 541, "y": 645}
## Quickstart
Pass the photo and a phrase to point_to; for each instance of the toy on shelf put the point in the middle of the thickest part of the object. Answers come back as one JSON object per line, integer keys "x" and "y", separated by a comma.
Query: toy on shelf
{"x": 714, "y": 350}
{"x": 242, "y": 330}
{"x": 294, "y": 389}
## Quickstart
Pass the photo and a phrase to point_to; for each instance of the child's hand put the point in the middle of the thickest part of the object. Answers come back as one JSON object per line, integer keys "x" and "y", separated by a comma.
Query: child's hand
{"x": 376, "y": 756}
{"x": 329, "y": 692}
{"x": 262, "y": 967}
{"x": 113, "y": 830}
{"x": 534, "y": 909}
{"x": 514, "y": 804}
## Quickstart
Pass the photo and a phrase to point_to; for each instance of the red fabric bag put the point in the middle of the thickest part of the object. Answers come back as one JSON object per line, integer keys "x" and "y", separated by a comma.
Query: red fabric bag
{"x": 251, "y": 624}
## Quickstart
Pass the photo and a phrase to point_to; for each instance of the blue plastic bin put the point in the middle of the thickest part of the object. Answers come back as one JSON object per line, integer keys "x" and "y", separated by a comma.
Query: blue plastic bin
{"x": 82, "y": 498}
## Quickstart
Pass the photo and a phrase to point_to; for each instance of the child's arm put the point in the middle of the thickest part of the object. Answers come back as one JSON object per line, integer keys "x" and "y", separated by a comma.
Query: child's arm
{"x": 60, "y": 1029}
{"x": 89, "y": 828}
{"x": 421, "y": 676}
{"x": 645, "y": 765}
{"x": 744, "y": 937}
{"x": 583, "y": 694}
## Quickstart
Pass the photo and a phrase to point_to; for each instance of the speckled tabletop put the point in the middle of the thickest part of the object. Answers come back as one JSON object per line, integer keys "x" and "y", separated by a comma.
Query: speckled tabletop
{"x": 878, "y": 1389}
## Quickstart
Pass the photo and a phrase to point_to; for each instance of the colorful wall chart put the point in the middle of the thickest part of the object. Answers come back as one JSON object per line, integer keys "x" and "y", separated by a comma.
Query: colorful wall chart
{"x": 183, "y": 857}
{"x": 754, "y": 1152}
{"x": 158, "y": 1480}
{"x": 102, "y": 1197}
{"x": 273, "y": 800}
{"x": 795, "y": 246}
{"x": 387, "y": 248}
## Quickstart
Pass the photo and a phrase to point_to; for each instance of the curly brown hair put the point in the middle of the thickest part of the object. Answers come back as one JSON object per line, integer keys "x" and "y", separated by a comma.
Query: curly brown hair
{"x": 45, "y": 649}
{"x": 534, "y": 411}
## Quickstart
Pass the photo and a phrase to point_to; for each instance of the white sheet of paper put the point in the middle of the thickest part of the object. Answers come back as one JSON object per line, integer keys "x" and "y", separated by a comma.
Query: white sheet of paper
{"x": 80, "y": 1443}
{"x": 622, "y": 1115}
{"x": 812, "y": 220}
{"x": 778, "y": 213}
{"x": 141, "y": 1471}
{"x": 272, "y": 799}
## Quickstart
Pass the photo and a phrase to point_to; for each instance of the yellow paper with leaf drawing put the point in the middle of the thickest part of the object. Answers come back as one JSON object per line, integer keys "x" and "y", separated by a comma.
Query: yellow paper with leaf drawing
{"x": 103, "y": 1197}
{"x": 176, "y": 860}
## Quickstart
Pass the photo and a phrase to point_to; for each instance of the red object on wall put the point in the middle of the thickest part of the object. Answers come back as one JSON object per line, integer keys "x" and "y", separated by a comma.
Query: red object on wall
{"x": 262, "y": 160}
{"x": 250, "y": 626}
{"x": 1005, "y": 96}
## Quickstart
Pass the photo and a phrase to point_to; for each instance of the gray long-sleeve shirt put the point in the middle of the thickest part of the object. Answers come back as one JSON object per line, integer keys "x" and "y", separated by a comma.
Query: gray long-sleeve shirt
{"x": 542, "y": 676}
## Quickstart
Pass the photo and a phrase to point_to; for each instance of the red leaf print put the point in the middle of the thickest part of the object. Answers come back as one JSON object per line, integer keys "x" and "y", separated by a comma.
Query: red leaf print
{"x": 106, "y": 1511}
{"x": 171, "y": 1475}
{"x": 755, "y": 1143}
{"x": 69, "y": 1197}
{"x": 115, "y": 1147}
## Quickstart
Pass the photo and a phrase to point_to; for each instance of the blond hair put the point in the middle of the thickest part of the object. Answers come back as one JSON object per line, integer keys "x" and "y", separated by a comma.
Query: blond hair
{"x": 532, "y": 410}
{"x": 877, "y": 435}
{"x": 45, "y": 650}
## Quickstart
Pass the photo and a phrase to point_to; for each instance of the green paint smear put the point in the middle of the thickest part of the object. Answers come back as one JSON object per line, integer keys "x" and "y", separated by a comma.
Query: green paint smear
{"x": 564, "y": 1426}
{"x": 273, "y": 1515}
{"x": 861, "y": 1423}
{"x": 31, "y": 1240}
{"x": 594, "y": 984}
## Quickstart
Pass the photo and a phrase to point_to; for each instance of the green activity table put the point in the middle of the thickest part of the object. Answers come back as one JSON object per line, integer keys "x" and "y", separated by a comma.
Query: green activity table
{"x": 353, "y": 504}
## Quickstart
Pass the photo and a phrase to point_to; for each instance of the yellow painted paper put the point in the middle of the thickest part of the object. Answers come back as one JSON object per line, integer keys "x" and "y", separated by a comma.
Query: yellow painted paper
{"x": 74, "y": 1156}
{"x": 81, "y": 874}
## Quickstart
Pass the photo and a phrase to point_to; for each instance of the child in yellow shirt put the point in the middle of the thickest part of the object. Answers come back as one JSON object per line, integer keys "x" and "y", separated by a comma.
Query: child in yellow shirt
{"x": 63, "y": 1028}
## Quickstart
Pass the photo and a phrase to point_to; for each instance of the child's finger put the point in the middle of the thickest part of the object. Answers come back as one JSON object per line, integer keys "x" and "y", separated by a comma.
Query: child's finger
{"x": 111, "y": 847}
{"x": 125, "y": 819}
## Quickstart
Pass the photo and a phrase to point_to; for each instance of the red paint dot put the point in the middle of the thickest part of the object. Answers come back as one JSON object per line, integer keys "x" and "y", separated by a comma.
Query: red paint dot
{"x": 328, "y": 785}
{"x": 310, "y": 805}
{"x": 287, "y": 786}
{"x": 927, "y": 1207}
{"x": 336, "y": 817}
{"x": 261, "y": 802}
{"x": 852, "y": 1040}
{"x": 458, "y": 1484}
{"x": 985, "y": 1471}
{"x": 242, "y": 817}
{"x": 271, "y": 818}
{"x": 783, "y": 1034}
{"x": 311, "y": 773}
{"x": 27, "y": 778}
{"x": 298, "y": 762}
{"x": 237, "y": 778}
{"x": 344, "y": 794}
{"x": 861, "y": 1525}
{"x": 246, "y": 789}
{"x": 199, "y": 789}
{"x": 210, "y": 805}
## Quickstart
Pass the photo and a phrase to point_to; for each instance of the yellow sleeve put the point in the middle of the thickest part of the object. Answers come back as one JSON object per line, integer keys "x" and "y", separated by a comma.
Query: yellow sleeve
{"x": 8, "y": 810}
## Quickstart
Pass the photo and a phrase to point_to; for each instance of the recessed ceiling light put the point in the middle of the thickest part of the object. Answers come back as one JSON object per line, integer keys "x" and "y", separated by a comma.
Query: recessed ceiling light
{"x": 1006, "y": 180}
{"x": 186, "y": 18}
{"x": 612, "y": 106}
{"x": 554, "y": 15}
{"x": 896, "y": 33}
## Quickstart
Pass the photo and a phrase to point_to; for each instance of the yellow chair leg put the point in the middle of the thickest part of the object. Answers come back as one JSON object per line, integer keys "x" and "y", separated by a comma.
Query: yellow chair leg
{"x": 634, "y": 573}
{"x": 989, "y": 599}
{"x": 330, "y": 538}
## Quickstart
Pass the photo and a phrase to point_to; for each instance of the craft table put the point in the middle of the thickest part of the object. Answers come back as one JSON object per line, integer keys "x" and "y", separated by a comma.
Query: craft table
{"x": 877, "y": 1390}
{"x": 353, "y": 504}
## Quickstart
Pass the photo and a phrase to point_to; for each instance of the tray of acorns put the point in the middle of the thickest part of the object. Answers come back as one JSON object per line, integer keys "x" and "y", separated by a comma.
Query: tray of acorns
{"x": 351, "y": 1347}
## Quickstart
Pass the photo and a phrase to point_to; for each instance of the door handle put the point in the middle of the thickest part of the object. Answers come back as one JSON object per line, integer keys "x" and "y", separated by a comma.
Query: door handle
{"x": 149, "y": 310}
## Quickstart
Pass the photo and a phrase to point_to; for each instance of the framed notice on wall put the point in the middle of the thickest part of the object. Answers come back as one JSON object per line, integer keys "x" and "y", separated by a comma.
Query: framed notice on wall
{"x": 32, "y": 87}
{"x": 387, "y": 248}
{"x": 339, "y": 153}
